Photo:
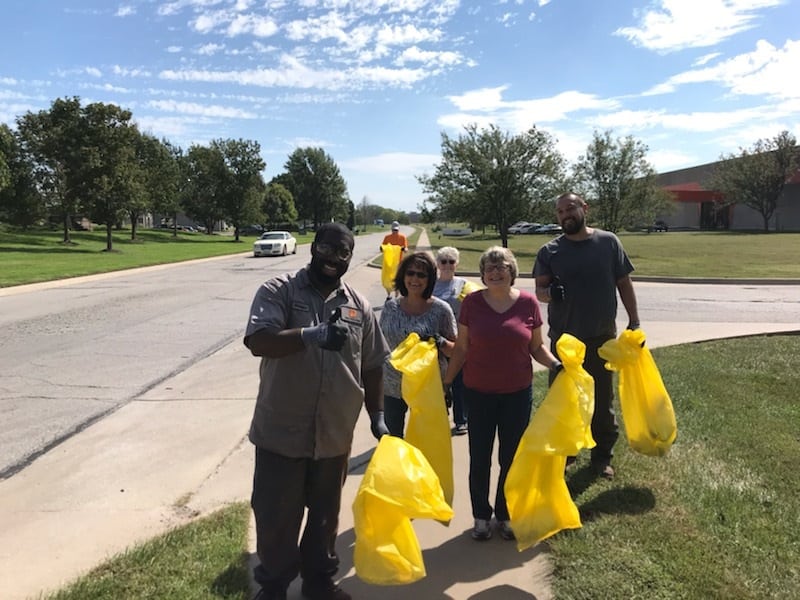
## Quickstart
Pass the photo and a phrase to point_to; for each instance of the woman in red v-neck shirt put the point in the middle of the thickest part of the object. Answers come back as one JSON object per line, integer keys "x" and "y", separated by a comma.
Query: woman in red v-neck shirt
{"x": 499, "y": 330}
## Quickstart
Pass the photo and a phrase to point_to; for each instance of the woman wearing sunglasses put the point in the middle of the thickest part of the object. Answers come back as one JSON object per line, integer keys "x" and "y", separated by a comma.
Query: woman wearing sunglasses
{"x": 499, "y": 330}
{"x": 451, "y": 289}
{"x": 415, "y": 310}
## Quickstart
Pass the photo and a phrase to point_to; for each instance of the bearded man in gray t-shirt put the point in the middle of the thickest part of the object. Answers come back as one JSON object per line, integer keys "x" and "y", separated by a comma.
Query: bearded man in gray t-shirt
{"x": 579, "y": 274}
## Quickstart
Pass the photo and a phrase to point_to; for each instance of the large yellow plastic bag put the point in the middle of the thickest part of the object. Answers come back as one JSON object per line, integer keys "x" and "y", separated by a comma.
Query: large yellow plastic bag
{"x": 421, "y": 387}
{"x": 539, "y": 502}
{"x": 391, "y": 260}
{"x": 467, "y": 289}
{"x": 398, "y": 485}
{"x": 646, "y": 406}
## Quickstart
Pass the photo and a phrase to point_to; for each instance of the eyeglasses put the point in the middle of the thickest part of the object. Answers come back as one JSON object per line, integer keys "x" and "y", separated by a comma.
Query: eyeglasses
{"x": 417, "y": 274}
{"x": 325, "y": 249}
{"x": 499, "y": 268}
{"x": 447, "y": 261}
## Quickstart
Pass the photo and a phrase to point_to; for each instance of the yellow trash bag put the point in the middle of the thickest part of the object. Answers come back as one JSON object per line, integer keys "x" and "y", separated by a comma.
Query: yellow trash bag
{"x": 421, "y": 387}
{"x": 646, "y": 406}
{"x": 467, "y": 289}
{"x": 391, "y": 260}
{"x": 539, "y": 502}
{"x": 398, "y": 485}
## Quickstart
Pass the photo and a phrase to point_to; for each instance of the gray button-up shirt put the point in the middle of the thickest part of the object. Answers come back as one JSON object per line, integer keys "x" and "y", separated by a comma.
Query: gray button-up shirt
{"x": 308, "y": 402}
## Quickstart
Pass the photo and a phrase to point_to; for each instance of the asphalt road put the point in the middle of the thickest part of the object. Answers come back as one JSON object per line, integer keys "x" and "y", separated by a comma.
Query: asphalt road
{"x": 72, "y": 352}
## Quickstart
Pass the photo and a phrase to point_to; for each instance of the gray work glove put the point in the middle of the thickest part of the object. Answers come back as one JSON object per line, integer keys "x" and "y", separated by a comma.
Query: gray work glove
{"x": 378, "y": 424}
{"x": 557, "y": 291}
{"x": 556, "y": 367}
{"x": 328, "y": 336}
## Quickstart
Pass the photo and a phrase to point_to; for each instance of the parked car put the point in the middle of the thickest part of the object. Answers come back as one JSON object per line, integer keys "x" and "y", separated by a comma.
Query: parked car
{"x": 658, "y": 226}
{"x": 516, "y": 226}
{"x": 251, "y": 230}
{"x": 275, "y": 242}
{"x": 550, "y": 228}
{"x": 529, "y": 228}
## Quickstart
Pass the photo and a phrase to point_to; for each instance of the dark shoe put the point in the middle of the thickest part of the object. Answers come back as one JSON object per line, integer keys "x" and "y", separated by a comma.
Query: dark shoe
{"x": 505, "y": 530}
{"x": 270, "y": 594}
{"x": 482, "y": 530}
{"x": 460, "y": 429}
{"x": 323, "y": 589}
{"x": 603, "y": 470}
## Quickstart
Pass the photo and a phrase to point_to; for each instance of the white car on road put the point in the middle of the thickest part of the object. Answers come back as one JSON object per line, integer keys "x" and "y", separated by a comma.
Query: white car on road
{"x": 275, "y": 242}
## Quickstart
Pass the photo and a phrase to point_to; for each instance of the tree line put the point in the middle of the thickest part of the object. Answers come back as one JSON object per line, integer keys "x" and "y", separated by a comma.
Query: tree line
{"x": 490, "y": 177}
{"x": 93, "y": 160}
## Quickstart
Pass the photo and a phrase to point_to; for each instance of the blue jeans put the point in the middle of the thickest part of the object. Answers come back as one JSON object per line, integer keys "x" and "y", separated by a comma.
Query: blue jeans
{"x": 460, "y": 411}
{"x": 508, "y": 416}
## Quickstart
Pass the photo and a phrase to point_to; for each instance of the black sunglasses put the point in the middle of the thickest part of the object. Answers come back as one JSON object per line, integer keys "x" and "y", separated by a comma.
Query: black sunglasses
{"x": 447, "y": 261}
{"x": 417, "y": 274}
{"x": 326, "y": 249}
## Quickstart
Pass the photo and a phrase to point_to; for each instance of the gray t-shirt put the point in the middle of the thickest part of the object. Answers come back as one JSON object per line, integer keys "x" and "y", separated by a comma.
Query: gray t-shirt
{"x": 449, "y": 291}
{"x": 588, "y": 270}
{"x": 396, "y": 325}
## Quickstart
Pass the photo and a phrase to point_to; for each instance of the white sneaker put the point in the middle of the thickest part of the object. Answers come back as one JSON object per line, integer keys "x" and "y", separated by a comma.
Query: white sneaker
{"x": 481, "y": 531}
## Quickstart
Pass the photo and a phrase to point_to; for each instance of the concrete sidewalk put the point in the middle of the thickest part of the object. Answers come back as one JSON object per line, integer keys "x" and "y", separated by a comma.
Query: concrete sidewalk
{"x": 180, "y": 451}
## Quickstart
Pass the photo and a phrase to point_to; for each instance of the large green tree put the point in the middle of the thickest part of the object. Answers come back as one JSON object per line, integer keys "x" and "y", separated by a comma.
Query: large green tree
{"x": 619, "y": 183}
{"x": 242, "y": 188}
{"x": 161, "y": 179}
{"x": 53, "y": 140}
{"x": 20, "y": 201}
{"x": 756, "y": 177}
{"x": 278, "y": 205}
{"x": 204, "y": 169}
{"x": 488, "y": 176}
{"x": 317, "y": 186}
{"x": 112, "y": 177}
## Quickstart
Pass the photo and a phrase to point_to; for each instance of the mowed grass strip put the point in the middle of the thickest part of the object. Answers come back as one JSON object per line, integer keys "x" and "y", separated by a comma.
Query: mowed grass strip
{"x": 715, "y": 518}
{"x": 205, "y": 559}
{"x": 672, "y": 254}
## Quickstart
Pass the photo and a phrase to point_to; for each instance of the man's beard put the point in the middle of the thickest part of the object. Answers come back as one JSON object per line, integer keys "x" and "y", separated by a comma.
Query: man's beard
{"x": 318, "y": 266}
{"x": 573, "y": 225}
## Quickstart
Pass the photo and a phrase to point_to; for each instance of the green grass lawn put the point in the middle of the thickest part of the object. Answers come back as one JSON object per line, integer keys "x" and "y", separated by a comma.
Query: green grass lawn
{"x": 716, "y": 518}
{"x": 672, "y": 254}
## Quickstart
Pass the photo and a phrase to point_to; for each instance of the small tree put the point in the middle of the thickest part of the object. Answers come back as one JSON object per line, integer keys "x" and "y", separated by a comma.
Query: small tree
{"x": 756, "y": 177}
{"x": 618, "y": 182}
{"x": 489, "y": 176}
{"x": 278, "y": 205}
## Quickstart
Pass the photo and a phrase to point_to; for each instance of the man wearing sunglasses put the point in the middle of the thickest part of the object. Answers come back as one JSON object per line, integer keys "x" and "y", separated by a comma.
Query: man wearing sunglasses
{"x": 322, "y": 356}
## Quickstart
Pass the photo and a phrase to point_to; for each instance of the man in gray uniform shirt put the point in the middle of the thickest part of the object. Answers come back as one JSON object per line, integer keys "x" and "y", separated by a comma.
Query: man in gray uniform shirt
{"x": 579, "y": 274}
{"x": 322, "y": 359}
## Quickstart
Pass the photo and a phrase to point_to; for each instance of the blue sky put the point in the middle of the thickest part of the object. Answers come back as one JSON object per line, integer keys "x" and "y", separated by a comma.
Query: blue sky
{"x": 376, "y": 82}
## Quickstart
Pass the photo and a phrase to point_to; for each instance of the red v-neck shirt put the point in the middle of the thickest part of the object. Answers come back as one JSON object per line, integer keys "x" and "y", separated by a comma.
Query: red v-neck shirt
{"x": 498, "y": 356}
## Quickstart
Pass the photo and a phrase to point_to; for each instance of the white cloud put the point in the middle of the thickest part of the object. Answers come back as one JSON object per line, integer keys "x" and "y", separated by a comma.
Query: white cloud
{"x": 127, "y": 72}
{"x": 678, "y": 24}
{"x": 94, "y": 71}
{"x": 392, "y": 163}
{"x": 251, "y": 24}
{"x": 293, "y": 73}
{"x": 767, "y": 71}
{"x": 174, "y": 49}
{"x": 125, "y": 11}
{"x": 205, "y": 110}
{"x": 210, "y": 49}
{"x": 705, "y": 59}
{"x": 415, "y": 54}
